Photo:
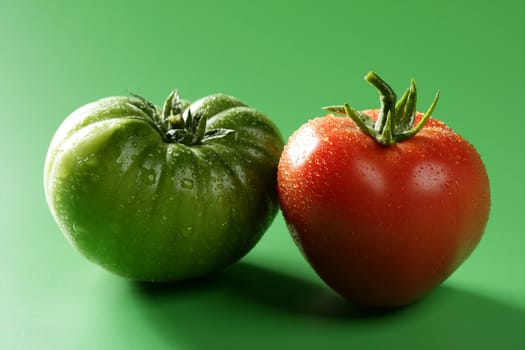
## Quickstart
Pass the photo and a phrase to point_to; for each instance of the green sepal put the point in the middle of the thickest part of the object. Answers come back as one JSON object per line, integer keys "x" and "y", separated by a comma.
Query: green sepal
{"x": 147, "y": 107}
{"x": 216, "y": 134}
{"x": 172, "y": 105}
{"x": 406, "y": 113}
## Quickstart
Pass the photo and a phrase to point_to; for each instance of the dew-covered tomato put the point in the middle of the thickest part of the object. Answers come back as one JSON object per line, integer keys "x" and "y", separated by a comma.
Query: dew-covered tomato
{"x": 164, "y": 194}
{"x": 384, "y": 204}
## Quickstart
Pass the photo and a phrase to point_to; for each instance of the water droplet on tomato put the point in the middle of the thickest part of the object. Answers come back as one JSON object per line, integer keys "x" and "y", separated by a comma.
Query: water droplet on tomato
{"x": 187, "y": 232}
{"x": 87, "y": 159}
{"x": 147, "y": 176}
{"x": 187, "y": 183}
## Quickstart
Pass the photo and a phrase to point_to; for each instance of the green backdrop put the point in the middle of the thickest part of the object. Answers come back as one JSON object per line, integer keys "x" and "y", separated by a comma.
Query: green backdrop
{"x": 286, "y": 58}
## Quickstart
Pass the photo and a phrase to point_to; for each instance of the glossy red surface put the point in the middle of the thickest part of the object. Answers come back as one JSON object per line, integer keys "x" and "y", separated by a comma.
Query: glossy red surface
{"x": 382, "y": 225}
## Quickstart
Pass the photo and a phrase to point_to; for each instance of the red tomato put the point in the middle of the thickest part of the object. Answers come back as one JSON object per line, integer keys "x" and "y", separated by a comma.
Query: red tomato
{"x": 382, "y": 225}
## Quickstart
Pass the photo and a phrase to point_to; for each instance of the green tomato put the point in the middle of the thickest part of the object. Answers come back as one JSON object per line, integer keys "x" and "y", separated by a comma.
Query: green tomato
{"x": 163, "y": 194}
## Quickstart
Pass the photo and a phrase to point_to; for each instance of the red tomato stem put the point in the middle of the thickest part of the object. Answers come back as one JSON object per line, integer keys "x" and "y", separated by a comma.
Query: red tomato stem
{"x": 395, "y": 122}
{"x": 388, "y": 98}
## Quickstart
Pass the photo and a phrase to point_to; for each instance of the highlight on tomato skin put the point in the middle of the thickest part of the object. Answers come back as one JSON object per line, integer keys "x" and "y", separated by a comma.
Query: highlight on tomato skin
{"x": 383, "y": 224}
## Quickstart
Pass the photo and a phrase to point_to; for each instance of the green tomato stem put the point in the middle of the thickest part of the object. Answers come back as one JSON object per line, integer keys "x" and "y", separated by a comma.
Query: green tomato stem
{"x": 174, "y": 127}
{"x": 189, "y": 130}
{"x": 395, "y": 122}
{"x": 387, "y": 96}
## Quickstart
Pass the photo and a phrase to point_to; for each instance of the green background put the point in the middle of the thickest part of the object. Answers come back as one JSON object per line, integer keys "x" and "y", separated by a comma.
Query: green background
{"x": 286, "y": 58}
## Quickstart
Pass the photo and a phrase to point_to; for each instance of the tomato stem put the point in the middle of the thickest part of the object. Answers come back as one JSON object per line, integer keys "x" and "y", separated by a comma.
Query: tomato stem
{"x": 178, "y": 124}
{"x": 395, "y": 121}
{"x": 387, "y": 96}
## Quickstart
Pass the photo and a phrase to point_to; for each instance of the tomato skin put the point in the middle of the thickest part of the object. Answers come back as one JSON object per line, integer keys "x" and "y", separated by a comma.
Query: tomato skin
{"x": 382, "y": 225}
{"x": 153, "y": 210}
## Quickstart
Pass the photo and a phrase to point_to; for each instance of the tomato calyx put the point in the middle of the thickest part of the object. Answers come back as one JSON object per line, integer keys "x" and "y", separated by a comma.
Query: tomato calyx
{"x": 395, "y": 122}
{"x": 177, "y": 124}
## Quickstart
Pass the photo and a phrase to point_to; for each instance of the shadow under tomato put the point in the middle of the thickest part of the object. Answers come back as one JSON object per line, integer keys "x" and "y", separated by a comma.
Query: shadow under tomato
{"x": 269, "y": 289}
{"x": 251, "y": 307}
